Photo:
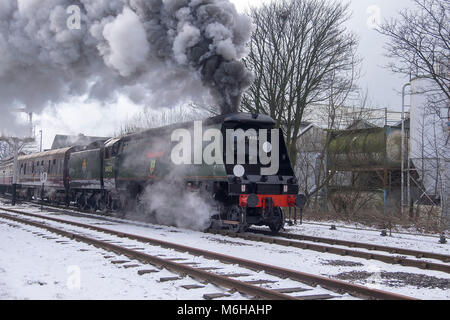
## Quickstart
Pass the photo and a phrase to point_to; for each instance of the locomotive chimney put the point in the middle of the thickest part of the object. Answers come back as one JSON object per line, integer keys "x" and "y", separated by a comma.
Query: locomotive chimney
{"x": 231, "y": 104}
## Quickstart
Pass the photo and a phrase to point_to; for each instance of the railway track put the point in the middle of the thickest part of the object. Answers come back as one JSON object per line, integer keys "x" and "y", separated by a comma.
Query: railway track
{"x": 366, "y": 229}
{"x": 250, "y": 288}
{"x": 346, "y": 248}
{"x": 397, "y": 256}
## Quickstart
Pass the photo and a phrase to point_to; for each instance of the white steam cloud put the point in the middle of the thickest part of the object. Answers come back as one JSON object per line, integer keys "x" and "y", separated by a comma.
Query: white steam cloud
{"x": 157, "y": 52}
{"x": 168, "y": 202}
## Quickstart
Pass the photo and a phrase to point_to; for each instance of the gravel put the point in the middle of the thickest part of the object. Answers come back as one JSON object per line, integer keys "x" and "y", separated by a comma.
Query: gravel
{"x": 397, "y": 279}
{"x": 341, "y": 263}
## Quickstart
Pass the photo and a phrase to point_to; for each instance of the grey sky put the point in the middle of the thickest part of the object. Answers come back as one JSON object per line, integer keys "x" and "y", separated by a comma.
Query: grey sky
{"x": 383, "y": 86}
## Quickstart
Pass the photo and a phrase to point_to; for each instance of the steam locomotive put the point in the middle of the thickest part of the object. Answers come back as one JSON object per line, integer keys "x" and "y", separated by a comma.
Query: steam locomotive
{"x": 111, "y": 176}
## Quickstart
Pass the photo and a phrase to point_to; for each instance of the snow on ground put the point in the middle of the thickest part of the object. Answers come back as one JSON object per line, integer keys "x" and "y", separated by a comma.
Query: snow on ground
{"x": 32, "y": 267}
{"x": 400, "y": 240}
{"x": 423, "y": 284}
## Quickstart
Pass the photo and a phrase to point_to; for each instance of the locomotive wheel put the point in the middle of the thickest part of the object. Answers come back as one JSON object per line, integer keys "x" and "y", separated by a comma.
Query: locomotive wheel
{"x": 236, "y": 213}
{"x": 278, "y": 223}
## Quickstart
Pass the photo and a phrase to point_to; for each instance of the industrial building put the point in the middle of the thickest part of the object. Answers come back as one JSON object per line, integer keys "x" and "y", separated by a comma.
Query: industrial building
{"x": 358, "y": 164}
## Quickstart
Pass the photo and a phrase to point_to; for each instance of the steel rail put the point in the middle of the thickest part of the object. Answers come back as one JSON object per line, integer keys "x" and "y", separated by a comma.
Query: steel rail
{"x": 373, "y": 247}
{"x": 220, "y": 280}
{"x": 310, "y": 279}
{"x": 339, "y": 251}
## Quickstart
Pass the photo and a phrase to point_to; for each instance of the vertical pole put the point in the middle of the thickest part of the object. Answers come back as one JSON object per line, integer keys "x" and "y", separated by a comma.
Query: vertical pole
{"x": 408, "y": 176}
{"x": 326, "y": 177}
{"x": 385, "y": 116}
{"x": 31, "y": 124}
{"x": 385, "y": 193}
{"x": 295, "y": 215}
{"x": 403, "y": 148}
{"x": 290, "y": 216}
{"x": 16, "y": 155}
{"x": 42, "y": 197}
{"x": 385, "y": 173}
{"x": 40, "y": 147}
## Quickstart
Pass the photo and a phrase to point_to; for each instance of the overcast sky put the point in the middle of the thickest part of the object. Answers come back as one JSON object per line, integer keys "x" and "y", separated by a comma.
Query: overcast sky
{"x": 383, "y": 86}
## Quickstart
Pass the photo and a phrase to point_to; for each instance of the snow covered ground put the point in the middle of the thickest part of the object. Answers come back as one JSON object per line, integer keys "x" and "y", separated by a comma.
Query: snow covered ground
{"x": 401, "y": 240}
{"x": 32, "y": 267}
{"x": 27, "y": 260}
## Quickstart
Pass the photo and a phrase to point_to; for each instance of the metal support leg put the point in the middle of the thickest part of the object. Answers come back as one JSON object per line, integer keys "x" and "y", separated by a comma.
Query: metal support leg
{"x": 14, "y": 194}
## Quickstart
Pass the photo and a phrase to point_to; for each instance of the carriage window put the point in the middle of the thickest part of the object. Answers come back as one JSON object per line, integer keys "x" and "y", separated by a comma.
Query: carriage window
{"x": 49, "y": 169}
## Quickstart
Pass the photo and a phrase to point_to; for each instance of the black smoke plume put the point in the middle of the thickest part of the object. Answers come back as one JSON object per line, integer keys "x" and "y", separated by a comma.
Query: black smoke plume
{"x": 158, "y": 53}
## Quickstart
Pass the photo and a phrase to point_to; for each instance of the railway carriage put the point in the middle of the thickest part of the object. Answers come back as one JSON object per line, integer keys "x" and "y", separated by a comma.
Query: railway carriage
{"x": 54, "y": 164}
{"x": 6, "y": 175}
{"x": 86, "y": 178}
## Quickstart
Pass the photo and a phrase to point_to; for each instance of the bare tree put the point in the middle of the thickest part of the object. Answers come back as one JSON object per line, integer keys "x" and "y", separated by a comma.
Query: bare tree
{"x": 24, "y": 145}
{"x": 301, "y": 54}
{"x": 419, "y": 45}
{"x": 314, "y": 141}
{"x": 5, "y": 150}
{"x": 152, "y": 119}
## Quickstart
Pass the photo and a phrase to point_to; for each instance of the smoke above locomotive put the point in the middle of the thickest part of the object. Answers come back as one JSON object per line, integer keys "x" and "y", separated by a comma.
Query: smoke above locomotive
{"x": 159, "y": 53}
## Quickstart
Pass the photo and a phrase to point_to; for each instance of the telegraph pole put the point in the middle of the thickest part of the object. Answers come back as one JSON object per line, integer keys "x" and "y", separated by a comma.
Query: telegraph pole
{"x": 40, "y": 147}
{"x": 16, "y": 155}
